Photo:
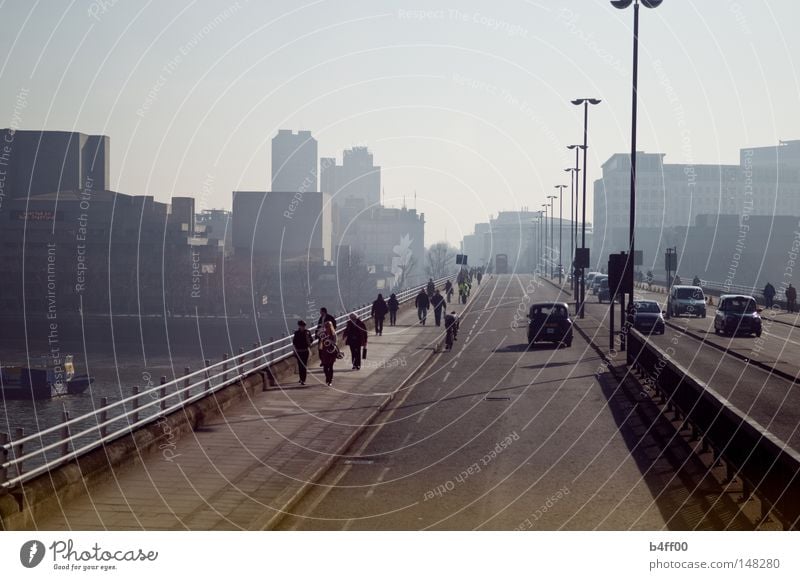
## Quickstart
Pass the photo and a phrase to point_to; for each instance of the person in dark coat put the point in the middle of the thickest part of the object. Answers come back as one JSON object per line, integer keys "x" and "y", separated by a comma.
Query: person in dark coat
{"x": 301, "y": 341}
{"x": 431, "y": 287}
{"x": 791, "y": 299}
{"x": 438, "y": 304}
{"x": 323, "y": 318}
{"x": 378, "y": 312}
{"x": 451, "y": 329}
{"x": 422, "y": 303}
{"x": 355, "y": 336}
{"x": 328, "y": 351}
{"x": 448, "y": 290}
{"x": 393, "y": 304}
{"x": 769, "y": 295}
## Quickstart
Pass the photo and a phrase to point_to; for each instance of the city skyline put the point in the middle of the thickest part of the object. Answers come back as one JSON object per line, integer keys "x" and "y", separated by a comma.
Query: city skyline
{"x": 446, "y": 99}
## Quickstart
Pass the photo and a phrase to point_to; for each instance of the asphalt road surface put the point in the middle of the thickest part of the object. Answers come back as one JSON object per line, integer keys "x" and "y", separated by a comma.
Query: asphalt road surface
{"x": 494, "y": 435}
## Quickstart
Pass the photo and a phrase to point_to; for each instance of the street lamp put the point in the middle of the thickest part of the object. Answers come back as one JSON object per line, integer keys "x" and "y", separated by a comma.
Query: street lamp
{"x": 576, "y": 187}
{"x": 544, "y": 239}
{"x": 622, "y": 4}
{"x": 552, "y": 247}
{"x": 585, "y": 103}
{"x": 560, "y": 189}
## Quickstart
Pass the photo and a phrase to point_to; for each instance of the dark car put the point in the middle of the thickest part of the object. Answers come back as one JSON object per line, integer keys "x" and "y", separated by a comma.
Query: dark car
{"x": 648, "y": 316}
{"x": 737, "y": 313}
{"x": 550, "y": 322}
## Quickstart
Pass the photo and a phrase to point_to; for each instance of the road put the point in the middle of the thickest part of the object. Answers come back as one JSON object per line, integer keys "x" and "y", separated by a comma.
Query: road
{"x": 769, "y": 398}
{"x": 496, "y": 436}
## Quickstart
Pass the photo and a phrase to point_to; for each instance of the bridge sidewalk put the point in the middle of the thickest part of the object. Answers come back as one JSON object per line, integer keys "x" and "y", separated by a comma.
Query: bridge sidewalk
{"x": 241, "y": 470}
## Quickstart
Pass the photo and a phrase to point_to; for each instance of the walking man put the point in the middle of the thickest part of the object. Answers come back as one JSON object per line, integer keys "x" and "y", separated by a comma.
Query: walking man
{"x": 323, "y": 318}
{"x": 301, "y": 341}
{"x": 791, "y": 299}
{"x": 393, "y": 304}
{"x": 355, "y": 336}
{"x": 438, "y": 304}
{"x": 769, "y": 295}
{"x": 378, "y": 312}
{"x": 422, "y": 303}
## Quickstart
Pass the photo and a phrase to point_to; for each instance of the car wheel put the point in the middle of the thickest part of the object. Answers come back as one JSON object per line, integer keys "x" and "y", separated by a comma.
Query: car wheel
{"x": 758, "y": 332}
{"x": 703, "y": 315}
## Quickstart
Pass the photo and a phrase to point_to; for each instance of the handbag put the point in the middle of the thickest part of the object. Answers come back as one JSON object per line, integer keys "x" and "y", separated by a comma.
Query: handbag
{"x": 339, "y": 353}
{"x": 364, "y": 352}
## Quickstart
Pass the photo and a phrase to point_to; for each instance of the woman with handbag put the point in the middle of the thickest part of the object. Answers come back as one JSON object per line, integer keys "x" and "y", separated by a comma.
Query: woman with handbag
{"x": 355, "y": 336}
{"x": 328, "y": 351}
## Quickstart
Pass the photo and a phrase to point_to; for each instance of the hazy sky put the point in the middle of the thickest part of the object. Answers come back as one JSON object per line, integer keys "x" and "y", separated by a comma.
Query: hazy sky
{"x": 467, "y": 106}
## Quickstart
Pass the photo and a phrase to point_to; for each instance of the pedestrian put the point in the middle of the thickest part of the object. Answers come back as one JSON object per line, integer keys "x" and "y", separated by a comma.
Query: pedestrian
{"x": 431, "y": 287}
{"x": 451, "y": 329}
{"x": 422, "y": 303}
{"x": 479, "y": 276}
{"x": 355, "y": 336}
{"x": 448, "y": 290}
{"x": 301, "y": 341}
{"x": 438, "y": 304}
{"x": 393, "y": 305}
{"x": 323, "y": 318}
{"x": 378, "y": 312}
{"x": 462, "y": 292}
{"x": 791, "y": 299}
{"x": 328, "y": 351}
{"x": 769, "y": 295}
{"x": 696, "y": 280}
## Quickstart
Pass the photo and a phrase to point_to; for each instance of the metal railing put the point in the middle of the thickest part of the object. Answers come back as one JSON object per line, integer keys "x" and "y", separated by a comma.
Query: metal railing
{"x": 766, "y": 466}
{"x": 77, "y": 436}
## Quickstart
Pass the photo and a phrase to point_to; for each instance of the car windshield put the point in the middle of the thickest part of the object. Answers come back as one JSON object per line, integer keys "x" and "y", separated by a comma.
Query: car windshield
{"x": 647, "y": 307}
{"x": 740, "y": 305}
{"x": 688, "y": 293}
{"x": 548, "y": 311}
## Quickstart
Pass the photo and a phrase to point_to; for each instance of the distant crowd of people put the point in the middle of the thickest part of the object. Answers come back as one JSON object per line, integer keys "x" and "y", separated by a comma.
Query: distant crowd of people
{"x": 355, "y": 335}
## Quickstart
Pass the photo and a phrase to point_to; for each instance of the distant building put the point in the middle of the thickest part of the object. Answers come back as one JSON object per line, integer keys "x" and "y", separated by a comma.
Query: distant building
{"x": 42, "y": 162}
{"x": 391, "y": 242}
{"x": 217, "y": 225}
{"x": 294, "y": 161}
{"x": 765, "y": 182}
{"x": 473, "y": 246}
{"x": 277, "y": 226}
{"x": 357, "y": 178}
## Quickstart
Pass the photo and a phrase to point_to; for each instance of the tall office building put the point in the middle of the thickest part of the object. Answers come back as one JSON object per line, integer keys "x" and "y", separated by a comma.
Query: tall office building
{"x": 356, "y": 181}
{"x": 294, "y": 161}
{"x": 41, "y": 162}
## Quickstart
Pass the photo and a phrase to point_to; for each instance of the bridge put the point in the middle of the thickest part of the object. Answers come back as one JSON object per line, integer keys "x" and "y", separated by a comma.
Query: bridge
{"x": 684, "y": 431}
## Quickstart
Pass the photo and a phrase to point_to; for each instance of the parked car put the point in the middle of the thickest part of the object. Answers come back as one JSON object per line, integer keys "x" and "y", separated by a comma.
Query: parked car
{"x": 648, "y": 316}
{"x": 686, "y": 300}
{"x": 737, "y": 313}
{"x": 550, "y": 322}
{"x": 590, "y": 277}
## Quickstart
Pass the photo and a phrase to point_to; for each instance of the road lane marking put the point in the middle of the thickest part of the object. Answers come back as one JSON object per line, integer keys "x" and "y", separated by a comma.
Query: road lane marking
{"x": 447, "y": 374}
{"x": 378, "y": 481}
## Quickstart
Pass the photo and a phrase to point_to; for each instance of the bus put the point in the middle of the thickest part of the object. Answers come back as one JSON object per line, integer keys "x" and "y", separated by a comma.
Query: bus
{"x": 501, "y": 264}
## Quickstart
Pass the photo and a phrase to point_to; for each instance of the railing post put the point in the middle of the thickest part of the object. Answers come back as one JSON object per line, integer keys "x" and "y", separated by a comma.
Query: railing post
{"x": 224, "y": 366}
{"x": 162, "y": 393}
{"x": 208, "y": 380}
{"x": 3, "y": 456}
{"x": 272, "y": 354}
{"x": 135, "y": 404}
{"x": 186, "y": 391}
{"x": 19, "y": 433}
{"x": 255, "y": 355}
{"x": 103, "y": 416}
{"x": 65, "y": 433}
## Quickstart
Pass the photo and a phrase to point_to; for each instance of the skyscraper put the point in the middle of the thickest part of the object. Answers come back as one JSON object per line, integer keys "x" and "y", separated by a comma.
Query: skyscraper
{"x": 355, "y": 179}
{"x": 294, "y": 161}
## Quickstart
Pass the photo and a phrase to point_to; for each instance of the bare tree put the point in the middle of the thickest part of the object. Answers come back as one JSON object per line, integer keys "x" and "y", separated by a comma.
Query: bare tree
{"x": 439, "y": 260}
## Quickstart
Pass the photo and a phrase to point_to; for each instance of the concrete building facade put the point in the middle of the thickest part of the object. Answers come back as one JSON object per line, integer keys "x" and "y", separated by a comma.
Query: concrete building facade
{"x": 294, "y": 162}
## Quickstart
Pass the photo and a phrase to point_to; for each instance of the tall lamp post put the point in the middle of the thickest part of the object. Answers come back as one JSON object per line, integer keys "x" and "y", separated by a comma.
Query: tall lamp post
{"x": 543, "y": 231}
{"x": 622, "y": 4}
{"x": 560, "y": 189}
{"x": 585, "y": 103}
{"x": 575, "y": 174}
{"x": 552, "y": 247}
